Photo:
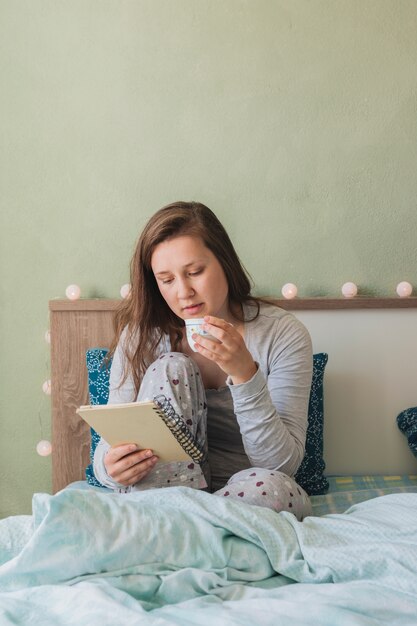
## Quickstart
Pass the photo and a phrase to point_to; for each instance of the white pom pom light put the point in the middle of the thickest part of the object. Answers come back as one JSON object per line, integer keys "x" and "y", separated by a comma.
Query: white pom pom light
{"x": 44, "y": 447}
{"x": 125, "y": 290}
{"x": 46, "y": 387}
{"x": 289, "y": 291}
{"x": 73, "y": 292}
{"x": 404, "y": 289}
{"x": 349, "y": 290}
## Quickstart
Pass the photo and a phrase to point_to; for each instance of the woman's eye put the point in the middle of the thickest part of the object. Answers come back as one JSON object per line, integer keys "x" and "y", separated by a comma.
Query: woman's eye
{"x": 168, "y": 281}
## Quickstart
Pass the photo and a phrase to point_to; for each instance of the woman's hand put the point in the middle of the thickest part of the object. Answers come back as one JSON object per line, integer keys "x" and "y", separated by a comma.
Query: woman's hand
{"x": 231, "y": 354}
{"x": 127, "y": 465}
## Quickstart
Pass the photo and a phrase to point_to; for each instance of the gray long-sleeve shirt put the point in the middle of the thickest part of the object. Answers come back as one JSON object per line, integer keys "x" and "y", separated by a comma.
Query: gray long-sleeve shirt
{"x": 259, "y": 423}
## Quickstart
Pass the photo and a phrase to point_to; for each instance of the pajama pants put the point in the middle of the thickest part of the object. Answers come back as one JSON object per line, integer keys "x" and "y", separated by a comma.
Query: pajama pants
{"x": 178, "y": 378}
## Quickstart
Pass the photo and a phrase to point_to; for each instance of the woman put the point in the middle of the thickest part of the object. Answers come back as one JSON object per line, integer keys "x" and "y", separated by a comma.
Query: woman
{"x": 244, "y": 396}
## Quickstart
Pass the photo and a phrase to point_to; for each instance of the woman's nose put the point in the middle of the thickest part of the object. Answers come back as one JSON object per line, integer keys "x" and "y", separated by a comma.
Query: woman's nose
{"x": 185, "y": 290}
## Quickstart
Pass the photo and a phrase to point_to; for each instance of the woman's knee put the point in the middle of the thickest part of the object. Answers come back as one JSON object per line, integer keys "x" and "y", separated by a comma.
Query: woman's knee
{"x": 172, "y": 369}
{"x": 175, "y": 378}
{"x": 173, "y": 361}
{"x": 268, "y": 488}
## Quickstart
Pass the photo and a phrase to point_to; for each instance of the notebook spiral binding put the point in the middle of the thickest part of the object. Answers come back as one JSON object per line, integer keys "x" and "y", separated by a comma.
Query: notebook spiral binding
{"x": 176, "y": 425}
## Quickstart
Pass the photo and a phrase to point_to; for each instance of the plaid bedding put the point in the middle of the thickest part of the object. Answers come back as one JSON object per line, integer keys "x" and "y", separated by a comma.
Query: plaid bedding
{"x": 344, "y": 491}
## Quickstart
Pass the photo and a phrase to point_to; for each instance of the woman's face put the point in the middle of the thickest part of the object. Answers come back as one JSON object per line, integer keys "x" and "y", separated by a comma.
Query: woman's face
{"x": 190, "y": 278}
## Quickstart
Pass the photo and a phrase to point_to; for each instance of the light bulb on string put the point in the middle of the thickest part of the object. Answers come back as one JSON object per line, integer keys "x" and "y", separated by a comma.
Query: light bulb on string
{"x": 404, "y": 289}
{"x": 349, "y": 290}
{"x": 73, "y": 292}
{"x": 289, "y": 291}
{"x": 44, "y": 447}
{"x": 125, "y": 290}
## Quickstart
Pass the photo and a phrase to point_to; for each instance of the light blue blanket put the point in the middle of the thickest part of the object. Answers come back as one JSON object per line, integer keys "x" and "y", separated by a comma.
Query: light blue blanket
{"x": 180, "y": 556}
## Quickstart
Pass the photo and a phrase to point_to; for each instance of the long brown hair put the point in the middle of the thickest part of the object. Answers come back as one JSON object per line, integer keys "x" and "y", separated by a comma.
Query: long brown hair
{"x": 144, "y": 313}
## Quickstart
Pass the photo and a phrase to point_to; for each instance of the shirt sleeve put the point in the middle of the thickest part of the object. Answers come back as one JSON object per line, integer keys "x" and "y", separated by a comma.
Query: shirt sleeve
{"x": 271, "y": 408}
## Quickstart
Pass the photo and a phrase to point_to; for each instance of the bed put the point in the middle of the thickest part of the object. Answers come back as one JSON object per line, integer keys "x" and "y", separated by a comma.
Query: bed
{"x": 168, "y": 556}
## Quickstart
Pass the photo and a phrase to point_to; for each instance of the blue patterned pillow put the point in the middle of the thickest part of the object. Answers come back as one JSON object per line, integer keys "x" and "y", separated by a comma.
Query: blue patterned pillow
{"x": 407, "y": 423}
{"x": 310, "y": 473}
{"x": 98, "y": 389}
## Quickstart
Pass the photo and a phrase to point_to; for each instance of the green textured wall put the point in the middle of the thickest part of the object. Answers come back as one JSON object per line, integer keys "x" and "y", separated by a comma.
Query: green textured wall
{"x": 295, "y": 120}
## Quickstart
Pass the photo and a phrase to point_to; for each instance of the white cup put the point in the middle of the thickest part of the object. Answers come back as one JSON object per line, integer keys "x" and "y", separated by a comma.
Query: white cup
{"x": 195, "y": 326}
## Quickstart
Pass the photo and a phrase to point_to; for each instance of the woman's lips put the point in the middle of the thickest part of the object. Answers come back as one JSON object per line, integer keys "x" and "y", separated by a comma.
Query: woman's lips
{"x": 195, "y": 308}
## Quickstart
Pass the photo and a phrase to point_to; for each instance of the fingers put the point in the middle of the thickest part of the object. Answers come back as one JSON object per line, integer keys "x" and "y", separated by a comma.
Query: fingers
{"x": 127, "y": 465}
{"x": 223, "y": 331}
{"x": 217, "y": 322}
{"x": 231, "y": 354}
{"x": 227, "y": 342}
{"x": 115, "y": 453}
{"x": 137, "y": 472}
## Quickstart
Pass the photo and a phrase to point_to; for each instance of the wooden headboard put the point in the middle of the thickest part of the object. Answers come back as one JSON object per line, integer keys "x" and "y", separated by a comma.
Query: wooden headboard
{"x": 371, "y": 376}
{"x": 75, "y": 327}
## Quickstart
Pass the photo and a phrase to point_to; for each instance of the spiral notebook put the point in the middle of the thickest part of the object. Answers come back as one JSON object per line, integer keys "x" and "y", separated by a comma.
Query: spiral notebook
{"x": 153, "y": 425}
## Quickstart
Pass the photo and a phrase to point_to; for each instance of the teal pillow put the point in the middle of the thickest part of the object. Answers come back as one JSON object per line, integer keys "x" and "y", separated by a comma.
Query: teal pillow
{"x": 310, "y": 473}
{"x": 407, "y": 423}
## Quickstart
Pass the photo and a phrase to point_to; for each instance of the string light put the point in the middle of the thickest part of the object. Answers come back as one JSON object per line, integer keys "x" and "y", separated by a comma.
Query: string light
{"x": 349, "y": 290}
{"x": 125, "y": 290}
{"x": 404, "y": 289}
{"x": 46, "y": 387}
{"x": 289, "y": 291}
{"x": 44, "y": 447}
{"x": 73, "y": 292}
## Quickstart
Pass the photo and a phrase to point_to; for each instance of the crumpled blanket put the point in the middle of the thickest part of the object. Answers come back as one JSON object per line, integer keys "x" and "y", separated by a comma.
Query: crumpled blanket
{"x": 181, "y": 556}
